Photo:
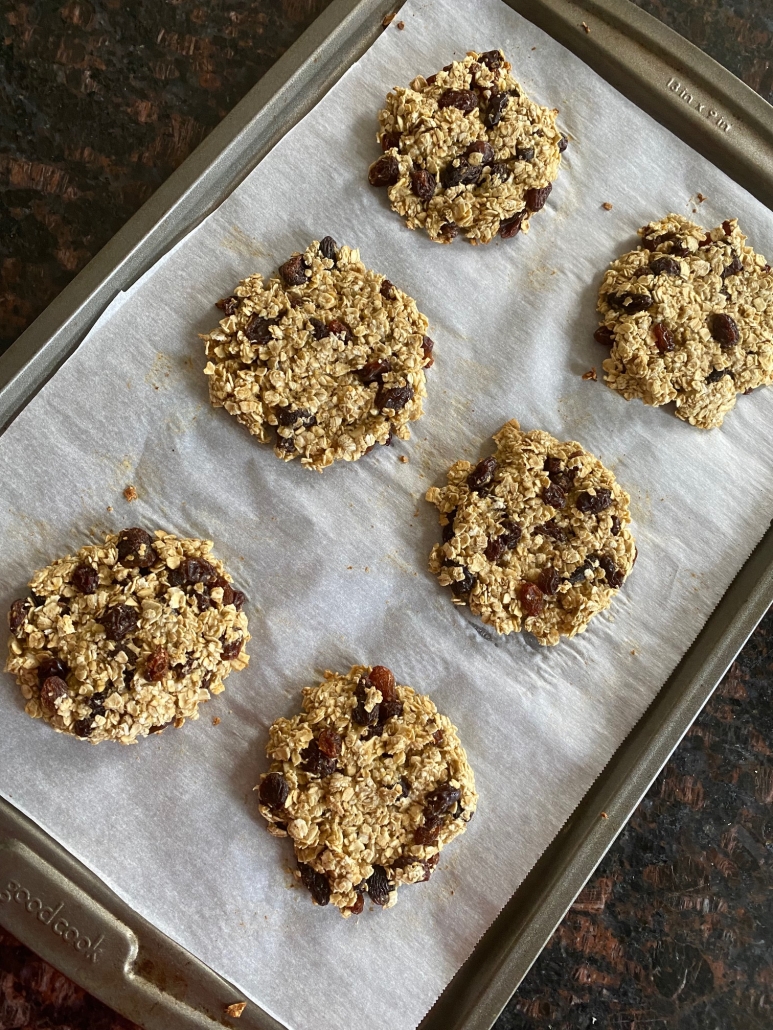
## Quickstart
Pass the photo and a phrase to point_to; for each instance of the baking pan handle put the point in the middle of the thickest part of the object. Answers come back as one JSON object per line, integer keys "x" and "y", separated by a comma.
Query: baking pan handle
{"x": 60, "y": 922}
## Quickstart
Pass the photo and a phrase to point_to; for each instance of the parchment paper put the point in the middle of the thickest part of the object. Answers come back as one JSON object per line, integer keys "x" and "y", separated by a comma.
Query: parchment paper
{"x": 335, "y": 565}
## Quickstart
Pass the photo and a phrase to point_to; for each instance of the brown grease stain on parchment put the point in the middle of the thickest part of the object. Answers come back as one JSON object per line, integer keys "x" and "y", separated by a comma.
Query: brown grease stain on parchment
{"x": 239, "y": 242}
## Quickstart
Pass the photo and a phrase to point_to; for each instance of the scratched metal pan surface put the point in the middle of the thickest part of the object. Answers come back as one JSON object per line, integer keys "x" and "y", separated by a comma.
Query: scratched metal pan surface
{"x": 58, "y": 907}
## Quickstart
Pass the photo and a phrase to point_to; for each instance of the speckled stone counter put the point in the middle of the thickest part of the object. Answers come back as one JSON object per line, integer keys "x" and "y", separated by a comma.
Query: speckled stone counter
{"x": 99, "y": 101}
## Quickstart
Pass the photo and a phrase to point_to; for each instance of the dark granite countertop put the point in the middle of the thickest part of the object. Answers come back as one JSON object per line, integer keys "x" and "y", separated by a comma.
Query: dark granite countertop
{"x": 99, "y": 101}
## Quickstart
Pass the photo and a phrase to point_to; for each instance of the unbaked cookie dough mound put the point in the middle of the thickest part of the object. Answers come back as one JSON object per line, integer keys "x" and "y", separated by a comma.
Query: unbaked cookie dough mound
{"x": 466, "y": 151}
{"x": 126, "y": 637}
{"x": 689, "y": 318}
{"x": 325, "y": 361}
{"x": 370, "y": 782}
{"x": 535, "y": 537}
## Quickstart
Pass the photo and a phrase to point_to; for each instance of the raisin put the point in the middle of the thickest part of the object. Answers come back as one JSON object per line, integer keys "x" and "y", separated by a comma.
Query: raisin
{"x": 496, "y": 108}
{"x": 548, "y": 581}
{"x": 396, "y": 397}
{"x": 191, "y": 571}
{"x": 492, "y": 59}
{"x": 465, "y": 100}
{"x": 512, "y": 226}
{"x": 119, "y": 621}
{"x": 181, "y": 670}
{"x": 441, "y": 800}
{"x": 374, "y": 371}
{"x": 423, "y": 184}
{"x": 718, "y": 373}
{"x": 359, "y": 714}
{"x": 664, "y": 338}
{"x": 484, "y": 148}
{"x": 316, "y": 762}
{"x": 524, "y": 153}
{"x": 53, "y": 687}
{"x": 273, "y": 791}
{"x": 614, "y": 576}
{"x": 232, "y": 649}
{"x": 631, "y": 303}
{"x": 495, "y": 548}
{"x": 225, "y": 586}
{"x": 449, "y": 231}
{"x": 97, "y": 703}
{"x": 339, "y": 328}
{"x": 512, "y": 532}
{"x": 461, "y": 588}
{"x": 51, "y": 666}
{"x": 724, "y": 330}
{"x": 157, "y": 665}
{"x": 482, "y": 474}
{"x": 652, "y": 242}
{"x": 537, "y": 198}
{"x": 387, "y": 290}
{"x": 358, "y": 906}
{"x": 437, "y": 737}
{"x": 616, "y": 526}
{"x": 292, "y": 417}
{"x": 735, "y": 266}
{"x": 554, "y": 496}
{"x": 17, "y": 614}
{"x": 665, "y": 266}
{"x": 203, "y": 600}
{"x": 328, "y": 248}
{"x": 385, "y": 171}
{"x": 472, "y": 173}
{"x": 578, "y": 576}
{"x": 135, "y": 548}
{"x": 316, "y": 883}
{"x": 590, "y": 504}
{"x": 727, "y": 228}
{"x": 228, "y": 305}
{"x": 390, "y": 140}
{"x": 405, "y": 787}
{"x": 563, "y": 143}
{"x": 562, "y": 477}
{"x": 378, "y": 885}
{"x": 258, "y": 329}
{"x": 239, "y": 600}
{"x": 319, "y": 329}
{"x": 293, "y": 271}
{"x": 82, "y": 728}
{"x": 383, "y": 680}
{"x": 454, "y": 174}
{"x": 532, "y": 599}
{"x": 428, "y": 833}
{"x": 553, "y": 530}
{"x": 389, "y": 710}
{"x": 706, "y": 241}
{"x": 85, "y": 579}
{"x": 501, "y": 170}
{"x": 329, "y": 743}
{"x": 448, "y": 529}
{"x": 427, "y": 346}
{"x": 285, "y": 444}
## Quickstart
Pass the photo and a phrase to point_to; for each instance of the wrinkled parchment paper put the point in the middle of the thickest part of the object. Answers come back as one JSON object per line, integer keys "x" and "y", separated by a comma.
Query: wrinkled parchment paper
{"x": 335, "y": 565}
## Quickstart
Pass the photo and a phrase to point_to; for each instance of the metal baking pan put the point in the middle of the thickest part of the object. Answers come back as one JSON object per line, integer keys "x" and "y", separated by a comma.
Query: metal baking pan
{"x": 59, "y": 908}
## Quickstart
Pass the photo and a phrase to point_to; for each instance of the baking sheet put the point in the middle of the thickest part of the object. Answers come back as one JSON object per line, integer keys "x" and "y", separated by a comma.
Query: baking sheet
{"x": 171, "y": 824}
